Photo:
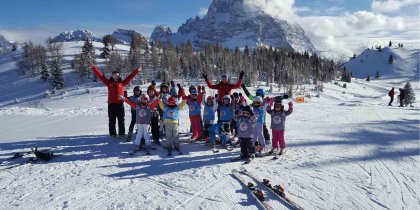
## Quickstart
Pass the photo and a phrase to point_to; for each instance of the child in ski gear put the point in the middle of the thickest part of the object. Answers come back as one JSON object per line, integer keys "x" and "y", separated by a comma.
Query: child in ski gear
{"x": 391, "y": 95}
{"x": 134, "y": 98}
{"x": 226, "y": 113}
{"x": 143, "y": 118}
{"x": 115, "y": 105}
{"x": 246, "y": 124}
{"x": 153, "y": 95}
{"x": 194, "y": 102}
{"x": 237, "y": 106}
{"x": 259, "y": 92}
{"x": 224, "y": 87}
{"x": 259, "y": 111}
{"x": 209, "y": 118}
{"x": 278, "y": 121}
{"x": 171, "y": 117}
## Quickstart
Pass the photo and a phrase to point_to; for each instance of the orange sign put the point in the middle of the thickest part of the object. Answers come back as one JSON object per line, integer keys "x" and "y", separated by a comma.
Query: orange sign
{"x": 300, "y": 99}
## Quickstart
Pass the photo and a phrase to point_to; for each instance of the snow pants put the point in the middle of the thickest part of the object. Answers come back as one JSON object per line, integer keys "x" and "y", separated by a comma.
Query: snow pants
{"x": 172, "y": 137}
{"x": 234, "y": 127}
{"x": 258, "y": 134}
{"x": 266, "y": 133}
{"x": 155, "y": 127}
{"x": 278, "y": 138}
{"x": 196, "y": 127}
{"x": 247, "y": 147}
{"x": 133, "y": 121}
{"x": 116, "y": 111}
{"x": 212, "y": 131}
{"x": 224, "y": 132}
{"x": 142, "y": 131}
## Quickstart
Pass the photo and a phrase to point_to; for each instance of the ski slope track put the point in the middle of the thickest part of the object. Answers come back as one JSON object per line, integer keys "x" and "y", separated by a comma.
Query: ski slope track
{"x": 346, "y": 149}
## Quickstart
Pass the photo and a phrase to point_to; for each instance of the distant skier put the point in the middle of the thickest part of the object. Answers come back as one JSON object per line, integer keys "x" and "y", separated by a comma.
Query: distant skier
{"x": 391, "y": 95}
{"x": 143, "y": 119}
{"x": 278, "y": 120}
{"x": 401, "y": 96}
{"x": 115, "y": 105}
{"x": 224, "y": 87}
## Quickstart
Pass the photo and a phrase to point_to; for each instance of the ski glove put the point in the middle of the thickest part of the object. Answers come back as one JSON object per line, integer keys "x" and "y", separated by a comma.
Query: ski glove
{"x": 205, "y": 76}
{"x": 241, "y": 75}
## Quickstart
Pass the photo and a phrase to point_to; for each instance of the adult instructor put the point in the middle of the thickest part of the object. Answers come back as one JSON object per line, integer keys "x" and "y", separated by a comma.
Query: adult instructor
{"x": 224, "y": 87}
{"x": 116, "y": 87}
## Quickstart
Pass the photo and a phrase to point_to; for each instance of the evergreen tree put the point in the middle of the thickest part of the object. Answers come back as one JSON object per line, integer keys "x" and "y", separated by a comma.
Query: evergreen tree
{"x": 390, "y": 44}
{"x": 368, "y": 78}
{"x": 354, "y": 56}
{"x": 391, "y": 59}
{"x": 410, "y": 97}
{"x": 57, "y": 81}
{"x": 45, "y": 74}
{"x": 105, "y": 50}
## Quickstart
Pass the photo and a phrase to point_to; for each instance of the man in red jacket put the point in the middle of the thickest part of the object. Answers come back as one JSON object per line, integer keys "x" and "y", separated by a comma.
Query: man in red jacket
{"x": 115, "y": 105}
{"x": 224, "y": 87}
{"x": 391, "y": 95}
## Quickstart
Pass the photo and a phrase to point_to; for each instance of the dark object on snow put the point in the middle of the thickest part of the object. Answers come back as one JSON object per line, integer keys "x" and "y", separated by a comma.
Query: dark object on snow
{"x": 17, "y": 155}
{"x": 43, "y": 155}
{"x": 280, "y": 98}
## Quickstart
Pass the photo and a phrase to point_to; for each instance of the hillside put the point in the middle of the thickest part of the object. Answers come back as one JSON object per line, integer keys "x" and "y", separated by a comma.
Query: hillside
{"x": 370, "y": 61}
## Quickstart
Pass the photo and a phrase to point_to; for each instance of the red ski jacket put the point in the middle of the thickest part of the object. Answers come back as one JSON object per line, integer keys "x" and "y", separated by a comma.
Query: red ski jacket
{"x": 223, "y": 88}
{"x": 115, "y": 88}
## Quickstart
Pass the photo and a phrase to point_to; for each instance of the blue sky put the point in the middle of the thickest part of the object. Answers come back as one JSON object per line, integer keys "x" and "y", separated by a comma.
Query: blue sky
{"x": 328, "y": 23}
{"x": 86, "y": 13}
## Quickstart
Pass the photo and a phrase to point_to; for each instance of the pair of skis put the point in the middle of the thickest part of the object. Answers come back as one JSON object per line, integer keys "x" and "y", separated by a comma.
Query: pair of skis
{"x": 277, "y": 190}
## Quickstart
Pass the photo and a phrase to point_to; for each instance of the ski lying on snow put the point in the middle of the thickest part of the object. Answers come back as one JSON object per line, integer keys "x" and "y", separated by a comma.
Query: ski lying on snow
{"x": 277, "y": 192}
{"x": 256, "y": 193}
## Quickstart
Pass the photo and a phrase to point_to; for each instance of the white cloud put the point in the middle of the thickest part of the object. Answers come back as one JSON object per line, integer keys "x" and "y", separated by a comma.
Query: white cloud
{"x": 301, "y": 9}
{"x": 202, "y": 12}
{"x": 282, "y": 9}
{"x": 336, "y": 32}
{"x": 384, "y": 6}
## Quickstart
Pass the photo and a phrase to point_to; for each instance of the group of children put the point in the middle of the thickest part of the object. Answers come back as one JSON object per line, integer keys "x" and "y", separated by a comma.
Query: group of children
{"x": 230, "y": 119}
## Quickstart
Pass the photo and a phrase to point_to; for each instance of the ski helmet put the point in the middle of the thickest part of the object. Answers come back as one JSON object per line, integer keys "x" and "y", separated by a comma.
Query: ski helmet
{"x": 224, "y": 77}
{"x": 144, "y": 99}
{"x": 260, "y": 92}
{"x": 226, "y": 97}
{"x": 171, "y": 101}
{"x": 247, "y": 111}
{"x": 136, "y": 88}
{"x": 194, "y": 92}
{"x": 210, "y": 100}
{"x": 192, "y": 87}
{"x": 257, "y": 101}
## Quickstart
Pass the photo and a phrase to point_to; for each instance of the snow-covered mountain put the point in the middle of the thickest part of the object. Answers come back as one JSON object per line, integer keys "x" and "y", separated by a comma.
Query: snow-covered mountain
{"x": 124, "y": 36}
{"x": 162, "y": 33}
{"x": 369, "y": 62}
{"x": 5, "y": 45}
{"x": 230, "y": 23}
{"x": 78, "y": 35}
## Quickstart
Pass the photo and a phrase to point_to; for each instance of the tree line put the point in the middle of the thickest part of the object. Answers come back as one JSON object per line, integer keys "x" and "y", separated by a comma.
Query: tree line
{"x": 165, "y": 62}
